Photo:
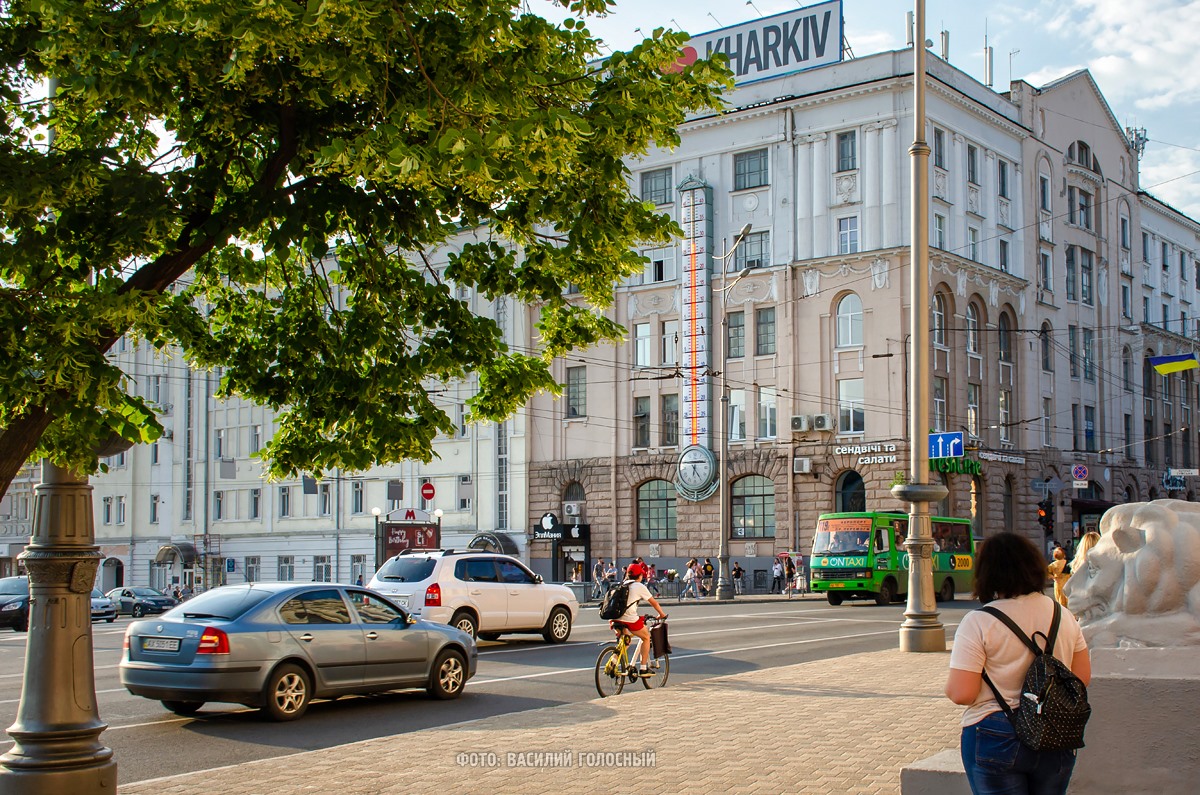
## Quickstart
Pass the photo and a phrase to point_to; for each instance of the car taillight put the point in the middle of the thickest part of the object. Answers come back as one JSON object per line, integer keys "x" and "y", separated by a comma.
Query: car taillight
{"x": 125, "y": 642}
{"x": 433, "y": 596}
{"x": 213, "y": 641}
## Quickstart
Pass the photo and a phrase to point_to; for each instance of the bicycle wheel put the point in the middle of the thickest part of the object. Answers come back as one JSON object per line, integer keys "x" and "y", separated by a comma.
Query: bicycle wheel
{"x": 658, "y": 676}
{"x": 608, "y": 681}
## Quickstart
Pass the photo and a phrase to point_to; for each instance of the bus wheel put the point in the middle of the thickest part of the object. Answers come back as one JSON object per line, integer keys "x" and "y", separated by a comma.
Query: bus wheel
{"x": 886, "y": 591}
{"x": 835, "y": 599}
{"x": 946, "y": 594}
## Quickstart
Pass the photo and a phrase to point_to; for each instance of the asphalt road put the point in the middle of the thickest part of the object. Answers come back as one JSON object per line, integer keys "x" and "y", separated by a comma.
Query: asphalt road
{"x": 516, "y": 674}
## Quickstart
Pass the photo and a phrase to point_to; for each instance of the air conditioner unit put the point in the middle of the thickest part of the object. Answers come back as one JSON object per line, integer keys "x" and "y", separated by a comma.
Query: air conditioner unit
{"x": 801, "y": 466}
{"x": 801, "y": 423}
{"x": 572, "y": 508}
{"x": 168, "y": 433}
{"x": 823, "y": 422}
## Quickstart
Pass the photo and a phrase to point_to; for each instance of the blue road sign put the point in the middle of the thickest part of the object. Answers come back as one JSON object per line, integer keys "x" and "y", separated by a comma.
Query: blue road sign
{"x": 946, "y": 445}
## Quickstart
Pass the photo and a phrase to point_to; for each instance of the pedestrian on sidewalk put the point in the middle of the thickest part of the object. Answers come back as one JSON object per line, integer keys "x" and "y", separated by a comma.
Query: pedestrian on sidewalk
{"x": 707, "y": 572}
{"x": 1060, "y": 573}
{"x": 691, "y": 582}
{"x": 776, "y": 577}
{"x": 598, "y": 579}
{"x": 1010, "y": 573}
{"x": 790, "y": 574}
{"x": 738, "y": 572}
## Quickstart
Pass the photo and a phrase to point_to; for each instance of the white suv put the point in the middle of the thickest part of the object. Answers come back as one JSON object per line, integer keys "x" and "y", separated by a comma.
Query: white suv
{"x": 482, "y": 593}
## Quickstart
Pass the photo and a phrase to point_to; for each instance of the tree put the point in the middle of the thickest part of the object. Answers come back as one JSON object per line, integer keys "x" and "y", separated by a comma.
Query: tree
{"x": 255, "y": 183}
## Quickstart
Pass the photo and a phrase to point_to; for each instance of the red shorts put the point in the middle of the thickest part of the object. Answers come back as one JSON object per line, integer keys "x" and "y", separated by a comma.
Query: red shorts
{"x": 632, "y": 626}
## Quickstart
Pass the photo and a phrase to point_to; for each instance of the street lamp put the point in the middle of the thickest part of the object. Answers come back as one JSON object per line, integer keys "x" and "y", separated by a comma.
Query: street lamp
{"x": 437, "y": 514}
{"x": 380, "y": 547}
{"x": 724, "y": 586}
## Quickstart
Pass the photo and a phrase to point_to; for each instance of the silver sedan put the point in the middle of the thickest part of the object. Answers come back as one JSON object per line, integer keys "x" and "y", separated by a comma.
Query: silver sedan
{"x": 279, "y": 645}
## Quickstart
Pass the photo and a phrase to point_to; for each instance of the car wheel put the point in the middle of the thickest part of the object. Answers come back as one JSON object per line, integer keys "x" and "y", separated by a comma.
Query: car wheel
{"x": 448, "y": 676}
{"x": 183, "y": 707}
{"x": 834, "y": 599}
{"x": 946, "y": 594}
{"x": 22, "y": 625}
{"x": 886, "y": 592}
{"x": 110, "y": 620}
{"x": 489, "y": 636}
{"x": 558, "y": 626}
{"x": 466, "y": 622}
{"x": 138, "y": 611}
{"x": 287, "y": 694}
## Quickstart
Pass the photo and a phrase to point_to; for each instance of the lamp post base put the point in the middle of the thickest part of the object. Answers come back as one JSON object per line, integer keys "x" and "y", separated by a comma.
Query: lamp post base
{"x": 724, "y": 592}
{"x": 923, "y": 638}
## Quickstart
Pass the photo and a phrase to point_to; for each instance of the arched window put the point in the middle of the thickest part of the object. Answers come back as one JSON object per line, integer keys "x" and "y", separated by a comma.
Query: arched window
{"x": 1127, "y": 368}
{"x": 656, "y": 511}
{"x": 574, "y": 492}
{"x": 938, "y": 327}
{"x": 849, "y": 321}
{"x": 972, "y": 329}
{"x": 850, "y": 493}
{"x": 1148, "y": 380}
{"x": 1010, "y": 507}
{"x": 1129, "y": 494}
{"x": 1047, "y": 338}
{"x": 1004, "y": 338}
{"x": 753, "y": 507}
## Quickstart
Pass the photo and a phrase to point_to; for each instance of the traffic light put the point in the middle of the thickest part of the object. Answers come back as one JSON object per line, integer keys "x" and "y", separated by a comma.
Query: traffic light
{"x": 1046, "y": 515}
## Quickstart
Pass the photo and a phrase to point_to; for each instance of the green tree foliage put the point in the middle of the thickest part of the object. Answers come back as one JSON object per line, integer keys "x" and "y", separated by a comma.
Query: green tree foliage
{"x": 255, "y": 183}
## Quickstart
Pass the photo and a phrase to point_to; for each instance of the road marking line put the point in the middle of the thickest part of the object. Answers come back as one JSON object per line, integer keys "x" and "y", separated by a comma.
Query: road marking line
{"x": 98, "y": 692}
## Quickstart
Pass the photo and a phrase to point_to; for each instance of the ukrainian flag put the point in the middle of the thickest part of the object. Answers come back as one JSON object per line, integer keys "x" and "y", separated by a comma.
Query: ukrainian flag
{"x": 1174, "y": 364}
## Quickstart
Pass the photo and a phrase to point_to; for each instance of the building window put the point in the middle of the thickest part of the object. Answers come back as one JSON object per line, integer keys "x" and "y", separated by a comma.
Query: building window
{"x": 753, "y": 507}
{"x": 938, "y": 327}
{"x": 670, "y": 421}
{"x": 1075, "y": 427}
{"x": 972, "y": 244}
{"x": 1047, "y": 271}
{"x": 1047, "y": 422}
{"x": 1002, "y": 178}
{"x": 768, "y": 413}
{"x": 1124, "y": 233}
{"x": 357, "y": 496}
{"x": 1126, "y": 302}
{"x": 851, "y": 406}
{"x": 656, "y": 186}
{"x": 1166, "y": 257}
{"x": 576, "y": 391}
{"x": 219, "y": 443}
{"x": 1004, "y": 339}
{"x": 1089, "y": 360}
{"x": 1073, "y": 347}
{"x": 1127, "y": 369}
{"x": 849, "y": 321}
{"x": 120, "y": 510}
{"x": 1072, "y": 207}
{"x": 287, "y": 568}
{"x": 1071, "y": 273}
{"x": 255, "y": 438}
{"x": 106, "y": 512}
{"x": 285, "y": 501}
{"x": 939, "y": 231}
{"x": 1046, "y": 336}
{"x": 737, "y": 415}
{"x": 218, "y": 505}
{"x": 1145, "y": 246}
{"x": 1085, "y": 209}
{"x": 939, "y": 148}
{"x": 939, "y": 404}
{"x": 1128, "y": 431}
{"x": 750, "y": 169}
{"x": 848, "y": 235}
{"x": 641, "y": 422}
{"x": 850, "y": 493}
{"x": 1044, "y": 192}
{"x": 973, "y": 391}
{"x": 847, "y": 151}
{"x": 322, "y": 568}
{"x": 764, "y": 331}
{"x": 465, "y": 492}
{"x": 641, "y": 344}
{"x": 461, "y": 430}
{"x": 972, "y": 329}
{"x": 735, "y": 341}
{"x": 324, "y": 501}
{"x": 754, "y": 252}
{"x": 1004, "y": 265}
{"x": 252, "y": 568}
{"x": 659, "y": 268}
{"x": 154, "y": 453}
{"x": 972, "y": 165}
{"x": 358, "y": 568}
{"x": 670, "y": 342}
{"x": 656, "y": 511}
{"x": 154, "y": 503}
{"x": 1005, "y": 415}
{"x": 1145, "y": 309}
{"x": 1085, "y": 276}
{"x": 255, "y": 503}
{"x": 1089, "y": 428}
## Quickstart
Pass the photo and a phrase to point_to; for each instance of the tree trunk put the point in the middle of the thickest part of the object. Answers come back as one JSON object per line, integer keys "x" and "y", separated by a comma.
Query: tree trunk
{"x": 18, "y": 441}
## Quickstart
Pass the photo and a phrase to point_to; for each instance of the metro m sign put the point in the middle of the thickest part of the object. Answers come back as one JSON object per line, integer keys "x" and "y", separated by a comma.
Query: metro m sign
{"x": 803, "y": 38}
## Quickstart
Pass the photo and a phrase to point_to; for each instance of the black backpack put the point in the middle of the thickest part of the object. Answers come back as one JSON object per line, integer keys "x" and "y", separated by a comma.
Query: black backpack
{"x": 1054, "y": 708}
{"x": 615, "y": 602}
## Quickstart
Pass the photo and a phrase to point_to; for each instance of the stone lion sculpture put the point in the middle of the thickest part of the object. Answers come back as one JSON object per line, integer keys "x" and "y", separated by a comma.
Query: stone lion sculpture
{"x": 1140, "y": 584}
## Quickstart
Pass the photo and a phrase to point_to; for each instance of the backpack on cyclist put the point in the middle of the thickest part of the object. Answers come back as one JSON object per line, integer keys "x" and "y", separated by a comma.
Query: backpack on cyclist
{"x": 615, "y": 602}
{"x": 1054, "y": 706}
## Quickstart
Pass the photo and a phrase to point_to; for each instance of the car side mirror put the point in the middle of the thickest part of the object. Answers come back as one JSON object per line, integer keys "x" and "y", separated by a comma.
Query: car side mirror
{"x": 410, "y": 619}
{"x": 538, "y": 579}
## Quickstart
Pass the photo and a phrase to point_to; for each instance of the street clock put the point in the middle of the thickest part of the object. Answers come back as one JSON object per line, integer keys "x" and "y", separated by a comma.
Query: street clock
{"x": 696, "y": 473}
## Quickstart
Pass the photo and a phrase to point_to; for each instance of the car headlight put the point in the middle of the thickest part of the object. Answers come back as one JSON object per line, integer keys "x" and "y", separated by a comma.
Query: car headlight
{"x": 12, "y": 606}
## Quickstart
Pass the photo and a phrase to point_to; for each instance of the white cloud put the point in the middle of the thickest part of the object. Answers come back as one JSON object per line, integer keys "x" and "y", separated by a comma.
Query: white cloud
{"x": 1173, "y": 175}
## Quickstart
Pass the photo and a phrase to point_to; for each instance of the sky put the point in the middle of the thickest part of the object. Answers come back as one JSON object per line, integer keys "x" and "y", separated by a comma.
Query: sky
{"x": 1142, "y": 53}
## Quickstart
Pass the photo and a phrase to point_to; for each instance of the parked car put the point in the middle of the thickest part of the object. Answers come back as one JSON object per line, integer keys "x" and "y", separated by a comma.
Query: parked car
{"x": 279, "y": 645}
{"x": 14, "y": 603}
{"x": 103, "y": 608}
{"x": 139, "y": 602}
{"x": 482, "y": 593}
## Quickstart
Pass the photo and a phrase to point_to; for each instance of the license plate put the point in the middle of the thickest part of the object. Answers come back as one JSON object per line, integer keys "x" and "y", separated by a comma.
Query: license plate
{"x": 837, "y": 585}
{"x": 403, "y": 602}
{"x": 160, "y": 644}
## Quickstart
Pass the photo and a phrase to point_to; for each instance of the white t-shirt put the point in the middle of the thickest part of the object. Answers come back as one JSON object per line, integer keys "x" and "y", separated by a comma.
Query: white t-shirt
{"x": 984, "y": 638}
{"x": 638, "y": 593}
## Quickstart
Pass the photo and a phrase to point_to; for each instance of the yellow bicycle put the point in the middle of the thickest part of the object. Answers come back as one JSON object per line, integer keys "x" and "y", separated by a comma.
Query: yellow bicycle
{"x": 614, "y": 667}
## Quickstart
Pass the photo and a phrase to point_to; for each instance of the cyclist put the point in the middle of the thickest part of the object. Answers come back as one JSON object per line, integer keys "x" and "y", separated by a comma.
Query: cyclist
{"x": 630, "y": 621}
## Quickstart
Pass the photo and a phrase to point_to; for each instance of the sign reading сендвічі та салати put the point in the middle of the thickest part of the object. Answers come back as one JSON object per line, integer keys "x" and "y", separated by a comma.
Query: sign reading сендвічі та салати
{"x": 802, "y": 38}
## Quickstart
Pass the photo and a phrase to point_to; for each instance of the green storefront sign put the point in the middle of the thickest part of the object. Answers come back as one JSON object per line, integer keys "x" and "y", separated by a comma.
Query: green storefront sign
{"x": 956, "y": 466}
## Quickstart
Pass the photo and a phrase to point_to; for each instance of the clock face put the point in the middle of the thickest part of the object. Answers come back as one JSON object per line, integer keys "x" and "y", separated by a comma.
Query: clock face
{"x": 696, "y": 467}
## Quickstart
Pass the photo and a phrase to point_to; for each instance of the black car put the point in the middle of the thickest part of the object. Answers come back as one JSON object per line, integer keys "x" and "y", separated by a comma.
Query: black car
{"x": 139, "y": 601}
{"x": 14, "y": 603}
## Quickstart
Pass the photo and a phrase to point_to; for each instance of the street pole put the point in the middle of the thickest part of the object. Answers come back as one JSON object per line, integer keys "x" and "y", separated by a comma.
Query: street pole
{"x": 380, "y": 547}
{"x": 56, "y": 748}
{"x": 921, "y": 630}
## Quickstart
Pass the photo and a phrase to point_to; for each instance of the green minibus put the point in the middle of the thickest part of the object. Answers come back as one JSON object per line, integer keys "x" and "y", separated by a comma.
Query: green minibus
{"x": 862, "y": 556}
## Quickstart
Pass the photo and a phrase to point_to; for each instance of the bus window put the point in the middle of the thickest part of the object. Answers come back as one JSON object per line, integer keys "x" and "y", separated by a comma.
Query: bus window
{"x": 951, "y": 537}
{"x": 882, "y": 535}
{"x": 900, "y": 529}
{"x": 842, "y": 536}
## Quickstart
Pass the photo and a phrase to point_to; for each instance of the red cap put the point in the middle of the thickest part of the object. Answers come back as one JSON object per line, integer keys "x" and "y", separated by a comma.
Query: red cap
{"x": 636, "y": 570}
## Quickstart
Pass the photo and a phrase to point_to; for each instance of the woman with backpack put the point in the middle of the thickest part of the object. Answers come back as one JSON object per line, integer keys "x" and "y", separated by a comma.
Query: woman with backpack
{"x": 1010, "y": 574}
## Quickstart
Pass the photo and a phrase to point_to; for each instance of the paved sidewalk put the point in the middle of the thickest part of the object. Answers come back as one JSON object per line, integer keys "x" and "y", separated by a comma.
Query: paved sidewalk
{"x": 842, "y": 725}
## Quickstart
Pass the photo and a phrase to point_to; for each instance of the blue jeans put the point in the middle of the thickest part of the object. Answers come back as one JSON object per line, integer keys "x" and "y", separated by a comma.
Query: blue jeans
{"x": 998, "y": 764}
